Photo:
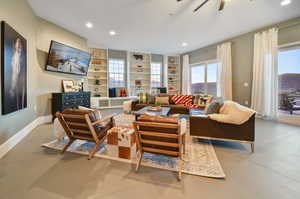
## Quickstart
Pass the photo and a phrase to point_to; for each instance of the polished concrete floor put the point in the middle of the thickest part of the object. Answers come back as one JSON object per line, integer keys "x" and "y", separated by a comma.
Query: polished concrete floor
{"x": 273, "y": 171}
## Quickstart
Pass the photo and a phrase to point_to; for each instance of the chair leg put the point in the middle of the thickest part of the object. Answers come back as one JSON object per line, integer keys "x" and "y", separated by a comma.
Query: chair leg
{"x": 252, "y": 147}
{"x": 67, "y": 145}
{"x": 140, "y": 157}
{"x": 94, "y": 150}
{"x": 180, "y": 166}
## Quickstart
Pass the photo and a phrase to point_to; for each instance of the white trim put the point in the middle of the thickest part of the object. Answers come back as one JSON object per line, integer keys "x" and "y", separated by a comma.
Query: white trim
{"x": 19, "y": 136}
{"x": 289, "y": 44}
{"x": 209, "y": 61}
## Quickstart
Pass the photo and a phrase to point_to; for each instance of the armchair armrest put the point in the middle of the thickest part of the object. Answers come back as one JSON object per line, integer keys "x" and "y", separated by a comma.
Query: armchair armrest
{"x": 104, "y": 119}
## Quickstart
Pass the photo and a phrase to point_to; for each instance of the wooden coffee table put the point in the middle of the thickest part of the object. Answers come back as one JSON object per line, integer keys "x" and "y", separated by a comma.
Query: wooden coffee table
{"x": 163, "y": 112}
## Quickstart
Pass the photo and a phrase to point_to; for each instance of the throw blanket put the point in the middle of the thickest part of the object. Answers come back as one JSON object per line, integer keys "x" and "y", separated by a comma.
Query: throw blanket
{"x": 233, "y": 113}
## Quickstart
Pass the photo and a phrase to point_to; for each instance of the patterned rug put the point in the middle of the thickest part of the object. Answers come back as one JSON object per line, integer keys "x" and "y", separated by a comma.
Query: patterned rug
{"x": 200, "y": 158}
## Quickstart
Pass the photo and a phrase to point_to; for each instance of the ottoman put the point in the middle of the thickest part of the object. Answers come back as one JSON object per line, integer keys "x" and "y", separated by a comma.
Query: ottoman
{"x": 121, "y": 143}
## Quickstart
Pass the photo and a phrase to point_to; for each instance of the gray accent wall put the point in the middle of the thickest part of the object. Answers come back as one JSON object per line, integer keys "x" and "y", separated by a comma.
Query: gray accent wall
{"x": 40, "y": 83}
{"x": 242, "y": 56}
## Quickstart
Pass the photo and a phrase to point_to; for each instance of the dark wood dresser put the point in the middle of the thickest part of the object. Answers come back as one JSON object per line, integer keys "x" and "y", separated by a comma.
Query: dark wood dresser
{"x": 62, "y": 101}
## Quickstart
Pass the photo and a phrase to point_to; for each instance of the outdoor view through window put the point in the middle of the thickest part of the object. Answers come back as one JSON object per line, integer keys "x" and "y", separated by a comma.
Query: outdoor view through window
{"x": 289, "y": 81}
{"x": 204, "y": 78}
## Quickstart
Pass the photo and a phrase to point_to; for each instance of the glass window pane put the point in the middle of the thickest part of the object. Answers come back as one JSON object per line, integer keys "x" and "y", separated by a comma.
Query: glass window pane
{"x": 116, "y": 73}
{"x": 198, "y": 79}
{"x": 212, "y": 79}
{"x": 289, "y": 81}
{"x": 156, "y": 69}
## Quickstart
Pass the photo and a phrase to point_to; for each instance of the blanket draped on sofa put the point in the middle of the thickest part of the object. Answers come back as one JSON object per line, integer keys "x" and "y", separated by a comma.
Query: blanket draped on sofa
{"x": 233, "y": 113}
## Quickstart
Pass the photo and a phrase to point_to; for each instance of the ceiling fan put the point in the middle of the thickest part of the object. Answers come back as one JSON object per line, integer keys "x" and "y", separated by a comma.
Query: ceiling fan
{"x": 221, "y": 4}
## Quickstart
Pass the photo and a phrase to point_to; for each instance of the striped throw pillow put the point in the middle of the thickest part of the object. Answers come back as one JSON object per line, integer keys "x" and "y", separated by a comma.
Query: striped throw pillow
{"x": 182, "y": 99}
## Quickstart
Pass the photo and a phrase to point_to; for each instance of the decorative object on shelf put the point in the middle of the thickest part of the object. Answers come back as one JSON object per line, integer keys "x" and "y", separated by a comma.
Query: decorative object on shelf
{"x": 81, "y": 84}
{"x": 138, "y": 82}
{"x": 138, "y": 57}
{"x": 97, "y": 82}
{"x": 112, "y": 92}
{"x": 13, "y": 70}
{"x": 173, "y": 74}
{"x": 68, "y": 86}
{"x": 139, "y": 68}
{"x": 66, "y": 59}
{"x": 98, "y": 72}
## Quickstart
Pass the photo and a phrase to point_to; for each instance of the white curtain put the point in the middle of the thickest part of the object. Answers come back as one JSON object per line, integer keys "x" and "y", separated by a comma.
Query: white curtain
{"x": 264, "y": 85}
{"x": 224, "y": 81}
{"x": 186, "y": 77}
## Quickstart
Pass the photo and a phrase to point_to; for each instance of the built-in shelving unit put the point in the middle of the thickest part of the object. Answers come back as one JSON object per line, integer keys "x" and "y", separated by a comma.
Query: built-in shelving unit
{"x": 98, "y": 73}
{"x": 140, "y": 73}
{"x": 174, "y": 82}
{"x": 138, "y": 77}
{"x": 109, "y": 102}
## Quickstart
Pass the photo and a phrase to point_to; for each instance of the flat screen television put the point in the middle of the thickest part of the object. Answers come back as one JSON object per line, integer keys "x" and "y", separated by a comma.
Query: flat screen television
{"x": 66, "y": 59}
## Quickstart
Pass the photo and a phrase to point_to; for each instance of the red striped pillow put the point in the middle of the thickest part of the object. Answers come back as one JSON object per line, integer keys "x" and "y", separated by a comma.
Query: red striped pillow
{"x": 182, "y": 99}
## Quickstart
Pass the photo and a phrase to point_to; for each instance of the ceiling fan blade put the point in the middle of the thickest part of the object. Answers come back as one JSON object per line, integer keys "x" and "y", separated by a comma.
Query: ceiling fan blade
{"x": 222, "y": 4}
{"x": 202, "y": 4}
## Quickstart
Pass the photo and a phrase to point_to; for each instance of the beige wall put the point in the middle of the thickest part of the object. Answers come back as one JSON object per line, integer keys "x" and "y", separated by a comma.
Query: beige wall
{"x": 38, "y": 33}
{"x": 242, "y": 56}
{"x": 50, "y": 82}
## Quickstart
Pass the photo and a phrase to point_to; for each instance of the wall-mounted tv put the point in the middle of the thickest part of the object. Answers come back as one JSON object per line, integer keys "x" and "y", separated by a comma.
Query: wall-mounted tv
{"x": 66, "y": 59}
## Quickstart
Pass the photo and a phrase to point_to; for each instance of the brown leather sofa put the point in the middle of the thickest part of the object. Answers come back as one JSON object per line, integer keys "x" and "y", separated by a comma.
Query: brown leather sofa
{"x": 204, "y": 127}
{"x": 175, "y": 109}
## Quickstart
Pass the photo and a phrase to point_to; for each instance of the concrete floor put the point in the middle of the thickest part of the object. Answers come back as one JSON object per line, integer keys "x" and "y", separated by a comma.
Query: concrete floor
{"x": 273, "y": 171}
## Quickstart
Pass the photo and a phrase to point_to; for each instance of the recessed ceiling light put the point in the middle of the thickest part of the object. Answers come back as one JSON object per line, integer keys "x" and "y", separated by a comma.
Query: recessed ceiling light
{"x": 112, "y": 32}
{"x": 89, "y": 25}
{"x": 285, "y": 2}
{"x": 184, "y": 44}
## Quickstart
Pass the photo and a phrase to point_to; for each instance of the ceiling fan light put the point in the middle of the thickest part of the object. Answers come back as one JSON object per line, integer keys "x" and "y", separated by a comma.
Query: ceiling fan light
{"x": 285, "y": 2}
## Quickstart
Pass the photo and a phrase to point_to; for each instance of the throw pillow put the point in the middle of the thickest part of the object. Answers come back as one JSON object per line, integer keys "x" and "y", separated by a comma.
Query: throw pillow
{"x": 97, "y": 114}
{"x": 143, "y": 98}
{"x": 213, "y": 107}
{"x": 162, "y": 100}
{"x": 182, "y": 99}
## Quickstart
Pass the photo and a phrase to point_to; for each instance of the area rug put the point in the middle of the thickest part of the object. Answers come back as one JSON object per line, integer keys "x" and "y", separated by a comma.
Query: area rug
{"x": 200, "y": 158}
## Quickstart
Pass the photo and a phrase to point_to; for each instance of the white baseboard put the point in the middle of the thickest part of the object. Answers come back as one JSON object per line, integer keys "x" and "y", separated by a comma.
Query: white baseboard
{"x": 19, "y": 136}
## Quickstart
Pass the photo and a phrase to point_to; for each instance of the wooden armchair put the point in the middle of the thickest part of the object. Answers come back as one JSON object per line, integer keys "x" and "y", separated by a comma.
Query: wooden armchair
{"x": 84, "y": 125}
{"x": 160, "y": 135}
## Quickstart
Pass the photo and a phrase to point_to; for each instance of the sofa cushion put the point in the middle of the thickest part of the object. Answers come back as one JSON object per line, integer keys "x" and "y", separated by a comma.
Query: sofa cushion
{"x": 167, "y": 95}
{"x": 162, "y": 100}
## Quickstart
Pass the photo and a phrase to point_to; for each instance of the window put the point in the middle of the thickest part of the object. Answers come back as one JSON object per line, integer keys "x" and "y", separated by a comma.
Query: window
{"x": 156, "y": 75}
{"x": 204, "y": 78}
{"x": 289, "y": 80}
{"x": 116, "y": 73}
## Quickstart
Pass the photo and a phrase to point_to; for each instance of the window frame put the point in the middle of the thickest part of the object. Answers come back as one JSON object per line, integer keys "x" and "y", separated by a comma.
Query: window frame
{"x": 124, "y": 72}
{"x": 205, "y": 65}
{"x": 161, "y": 74}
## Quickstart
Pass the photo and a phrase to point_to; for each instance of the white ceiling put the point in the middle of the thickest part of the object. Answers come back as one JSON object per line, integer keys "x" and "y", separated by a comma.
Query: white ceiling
{"x": 146, "y": 25}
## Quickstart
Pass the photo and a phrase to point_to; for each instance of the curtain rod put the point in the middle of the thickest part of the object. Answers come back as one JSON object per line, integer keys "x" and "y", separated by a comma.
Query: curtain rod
{"x": 288, "y": 25}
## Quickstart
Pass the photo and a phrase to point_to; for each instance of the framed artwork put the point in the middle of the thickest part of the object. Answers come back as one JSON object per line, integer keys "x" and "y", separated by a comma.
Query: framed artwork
{"x": 13, "y": 70}
{"x": 66, "y": 59}
{"x": 68, "y": 86}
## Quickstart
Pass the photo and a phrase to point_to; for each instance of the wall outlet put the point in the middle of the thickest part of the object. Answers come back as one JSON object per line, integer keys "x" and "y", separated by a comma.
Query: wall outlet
{"x": 35, "y": 108}
{"x": 246, "y": 102}
{"x": 246, "y": 84}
